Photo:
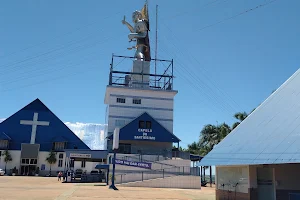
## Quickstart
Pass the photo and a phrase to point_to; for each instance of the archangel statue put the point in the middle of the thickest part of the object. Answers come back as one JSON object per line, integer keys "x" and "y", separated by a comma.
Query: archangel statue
{"x": 139, "y": 33}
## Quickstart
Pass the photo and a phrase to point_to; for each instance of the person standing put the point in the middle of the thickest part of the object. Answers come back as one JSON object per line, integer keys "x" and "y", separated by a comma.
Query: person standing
{"x": 59, "y": 176}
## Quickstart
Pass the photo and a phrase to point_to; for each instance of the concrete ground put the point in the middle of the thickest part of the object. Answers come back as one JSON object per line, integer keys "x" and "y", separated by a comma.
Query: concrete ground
{"x": 41, "y": 188}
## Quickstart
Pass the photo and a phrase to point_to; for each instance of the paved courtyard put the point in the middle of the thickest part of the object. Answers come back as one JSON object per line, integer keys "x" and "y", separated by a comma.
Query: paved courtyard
{"x": 41, "y": 188}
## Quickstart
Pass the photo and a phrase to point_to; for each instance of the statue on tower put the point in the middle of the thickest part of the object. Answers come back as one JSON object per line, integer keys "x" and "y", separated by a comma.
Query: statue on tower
{"x": 139, "y": 33}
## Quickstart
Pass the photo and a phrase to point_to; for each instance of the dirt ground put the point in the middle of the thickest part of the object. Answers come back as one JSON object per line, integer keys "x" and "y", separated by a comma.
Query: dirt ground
{"x": 41, "y": 188}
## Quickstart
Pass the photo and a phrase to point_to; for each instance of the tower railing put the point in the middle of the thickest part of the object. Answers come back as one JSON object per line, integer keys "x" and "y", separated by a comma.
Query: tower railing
{"x": 121, "y": 74}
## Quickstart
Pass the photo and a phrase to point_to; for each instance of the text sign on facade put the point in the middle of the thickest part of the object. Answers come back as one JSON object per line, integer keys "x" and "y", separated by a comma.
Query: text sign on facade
{"x": 145, "y": 130}
{"x": 145, "y": 136}
{"x": 134, "y": 164}
{"x": 80, "y": 155}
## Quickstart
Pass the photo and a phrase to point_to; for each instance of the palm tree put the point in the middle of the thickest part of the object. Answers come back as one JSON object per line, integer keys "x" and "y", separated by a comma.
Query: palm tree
{"x": 194, "y": 148}
{"x": 223, "y": 129}
{"x": 51, "y": 159}
{"x": 239, "y": 116}
{"x": 7, "y": 158}
{"x": 208, "y": 135}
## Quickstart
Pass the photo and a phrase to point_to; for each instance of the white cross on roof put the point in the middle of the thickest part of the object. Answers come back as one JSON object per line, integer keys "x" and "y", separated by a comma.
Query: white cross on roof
{"x": 34, "y": 124}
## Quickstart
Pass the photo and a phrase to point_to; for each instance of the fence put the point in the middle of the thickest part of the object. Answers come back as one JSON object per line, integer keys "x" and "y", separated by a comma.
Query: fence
{"x": 125, "y": 176}
{"x": 146, "y": 175}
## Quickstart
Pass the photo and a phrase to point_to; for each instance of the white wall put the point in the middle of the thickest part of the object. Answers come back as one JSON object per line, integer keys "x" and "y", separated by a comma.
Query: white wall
{"x": 138, "y": 92}
{"x": 16, "y": 155}
{"x": 168, "y": 103}
{"x": 54, "y": 167}
{"x": 229, "y": 176}
{"x": 182, "y": 182}
{"x": 16, "y": 162}
{"x": 126, "y": 178}
{"x": 145, "y": 102}
{"x": 185, "y": 165}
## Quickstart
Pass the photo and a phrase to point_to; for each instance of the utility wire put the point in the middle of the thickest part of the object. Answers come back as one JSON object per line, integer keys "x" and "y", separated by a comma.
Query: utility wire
{"x": 80, "y": 48}
{"x": 86, "y": 69}
{"x": 61, "y": 35}
{"x": 196, "y": 83}
{"x": 244, "y": 12}
{"x": 191, "y": 11}
{"x": 197, "y": 79}
{"x": 39, "y": 55}
{"x": 237, "y": 15}
{"x": 204, "y": 71}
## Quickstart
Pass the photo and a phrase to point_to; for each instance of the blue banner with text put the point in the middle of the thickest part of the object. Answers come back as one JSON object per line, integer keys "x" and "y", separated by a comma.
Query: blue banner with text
{"x": 134, "y": 164}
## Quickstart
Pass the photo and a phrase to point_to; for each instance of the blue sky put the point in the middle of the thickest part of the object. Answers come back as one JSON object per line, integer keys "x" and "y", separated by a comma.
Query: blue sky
{"x": 60, "y": 51}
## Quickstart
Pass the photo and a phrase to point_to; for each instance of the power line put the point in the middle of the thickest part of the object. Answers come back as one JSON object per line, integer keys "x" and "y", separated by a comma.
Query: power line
{"x": 41, "y": 55}
{"x": 210, "y": 80}
{"x": 49, "y": 80}
{"x": 42, "y": 69}
{"x": 210, "y": 94}
{"x": 244, "y": 12}
{"x": 198, "y": 85}
{"x": 197, "y": 9}
{"x": 237, "y": 15}
{"x": 55, "y": 37}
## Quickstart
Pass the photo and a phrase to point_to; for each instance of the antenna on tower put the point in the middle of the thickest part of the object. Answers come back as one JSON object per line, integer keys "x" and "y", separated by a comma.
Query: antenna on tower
{"x": 155, "y": 43}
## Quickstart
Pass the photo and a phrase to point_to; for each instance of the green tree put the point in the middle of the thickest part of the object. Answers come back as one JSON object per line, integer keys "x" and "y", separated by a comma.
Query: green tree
{"x": 211, "y": 135}
{"x": 7, "y": 158}
{"x": 194, "y": 148}
{"x": 180, "y": 148}
{"x": 240, "y": 116}
{"x": 51, "y": 159}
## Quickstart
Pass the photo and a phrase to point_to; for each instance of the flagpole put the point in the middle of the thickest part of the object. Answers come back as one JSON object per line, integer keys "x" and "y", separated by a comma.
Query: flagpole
{"x": 155, "y": 44}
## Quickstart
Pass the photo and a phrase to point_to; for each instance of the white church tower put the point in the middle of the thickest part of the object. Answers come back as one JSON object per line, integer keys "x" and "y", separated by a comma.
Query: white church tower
{"x": 140, "y": 99}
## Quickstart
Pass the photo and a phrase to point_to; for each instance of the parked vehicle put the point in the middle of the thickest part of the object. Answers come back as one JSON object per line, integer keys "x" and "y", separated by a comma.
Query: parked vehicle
{"x": 2, "y": 172}
{"x": 78, "y": 173}
{"x": 94, "y": 172}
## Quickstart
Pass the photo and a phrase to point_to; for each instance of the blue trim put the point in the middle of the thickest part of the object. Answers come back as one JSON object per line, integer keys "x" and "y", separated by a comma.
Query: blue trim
{"x": 140, "y": 107}
{"x": 142, "y": 97}
{"x": 127, "y": 117}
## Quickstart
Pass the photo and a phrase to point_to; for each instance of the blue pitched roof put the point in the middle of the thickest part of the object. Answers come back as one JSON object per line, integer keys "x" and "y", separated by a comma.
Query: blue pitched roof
{"x": 45, "y": 135}
{"x": 157, "y": 133}
{"x": 4, "y": 136}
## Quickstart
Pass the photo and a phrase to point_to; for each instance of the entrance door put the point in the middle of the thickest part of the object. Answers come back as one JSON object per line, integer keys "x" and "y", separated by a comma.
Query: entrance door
{"x": 25, "y": 170}
{"x": 28, "y": 170}
{"x": 265, "y": 184}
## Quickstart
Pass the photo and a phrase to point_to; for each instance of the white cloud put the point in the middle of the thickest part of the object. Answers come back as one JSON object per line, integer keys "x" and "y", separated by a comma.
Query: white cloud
{"x": 91, "y": 134}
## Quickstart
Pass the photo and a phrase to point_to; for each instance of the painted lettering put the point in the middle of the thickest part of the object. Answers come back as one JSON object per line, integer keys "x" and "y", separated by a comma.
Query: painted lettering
{"x": 134, "y": 164}
{"x": 145, "y": 130}
{"x": 144, "y": 137}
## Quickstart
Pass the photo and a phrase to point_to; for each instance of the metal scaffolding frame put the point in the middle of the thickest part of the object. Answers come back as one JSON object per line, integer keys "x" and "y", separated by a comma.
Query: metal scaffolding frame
{"x": 163, "y": 81}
